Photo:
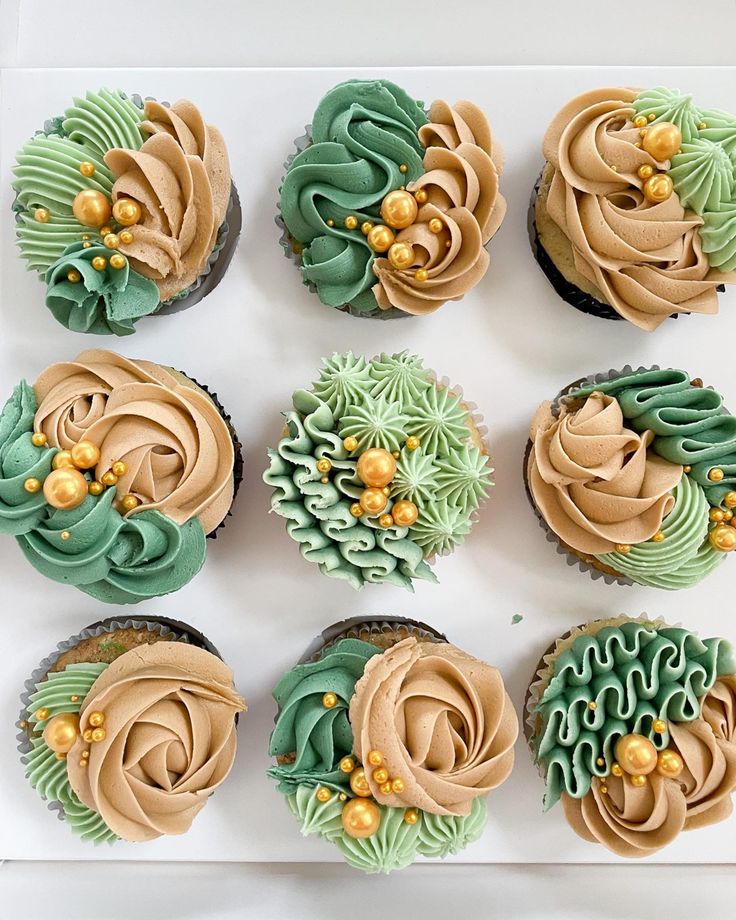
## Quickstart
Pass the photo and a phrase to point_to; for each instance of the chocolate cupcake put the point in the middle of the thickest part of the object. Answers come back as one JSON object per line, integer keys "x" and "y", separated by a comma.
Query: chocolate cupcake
{"x": 129, "y": 727}
{"x": 125, "y": 208}
{"x": 113, "y": 473}
{"x": 387, "y": 776}
{"x": 382, "y": 468}
{"x": 632, "y": 724}
{"x": 634, "y": 215}
{"x": 632, "y": 474}
{"x": 387, "y": 209}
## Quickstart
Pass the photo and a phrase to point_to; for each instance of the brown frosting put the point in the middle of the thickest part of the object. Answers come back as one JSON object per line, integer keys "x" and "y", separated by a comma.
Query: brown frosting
{"x": 169, "y": 721}
{"x": 719, "y": 708}
{"x": 461, "y": 181}
{"x": 593, "y": 480}
{"x": 181, "y": 179}
{"x": 638, "y": 821}
{"x": 442, "y": 721}
{"x": 644, "y": 259}
{"x": 167, "y": 431}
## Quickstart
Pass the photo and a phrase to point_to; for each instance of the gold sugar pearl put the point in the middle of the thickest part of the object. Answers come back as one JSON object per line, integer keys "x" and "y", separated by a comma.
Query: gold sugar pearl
{"x": 616, "y": 769}
{"x": 687, "y": 469}
{"x": 329, "y": 700}
{"x": 323, "y": 794}
{"x": 74, "y": 698}
{"x": 126, "y": 237}
{"x": 86, "y": 245}
{"x": 411, "y": 816}
{"x": 127, "y": 212}
{"x": 651, "y": 116}
{"x": 129, "y": 502}
{"x": 385, "y": 520}
{"x": 324, "y": 465}
{"x": 421, "y": 196}
{"x": 412, "y": 442}
{"x": 622, "y": 548}
{"x": 645, "y": 171}
{"x": 42, "y": 714}
{"x": 98, "y": 734}
{"x": 32, "y": 485}
{"x": 42, "y": 215}
{"x": 64, "y": 535}
{"x": 397, "y": 785}
{"x": 96, "y": 488}
{"x": 119, "y": 468}
{"x": 716, "y": 474}
{"x": 347, "y": 765}
{"x": 375, "y": 758}
{"x": 104, "y": 231}
{"x": 73, "y": 276}
{"x": 39, "y": 439}
{"x": 600, "y": 762}
{"x": 366, "y": 227}
{"x": 330, "y": 222}
{"x": 435, "y": 225}
{"x": 61, "y": 459}
{"x": 350, "y": 444}
{"x": 638, "y": 780}
{"x": 82, "y": 763}
{"x": 99, "y": 263}
{"x": 421, "y": 275}
{"x": 403, "y": 167}
{"x": 659, "y": 536}
{"x": 109, "y": 478}
{"x": 730, "y": 500}
{"x": 60, "y": 756}
{"x": 85, "y": 755}
{"x": 85, "y": 455}
{"x": 87, "y": 735}
{"x": 659, "y": 726}
{"x": 592, "y": 705}
{"x": 715, "y": 514}
{"x": 603, "y": 789}
{"x": 96, "y": 719}
{"x": 380, "y": 238}
{"x": 87, "y": 169}
{"x": 325, "y": 480}
{"x": 356, "y": 509}
{"x": 351, "y": 222}
{"x": 640, "y": 121}
{"x": 658, "y": 188}
{"x": 117, "y": 261}
{"x": 380, "y": 775}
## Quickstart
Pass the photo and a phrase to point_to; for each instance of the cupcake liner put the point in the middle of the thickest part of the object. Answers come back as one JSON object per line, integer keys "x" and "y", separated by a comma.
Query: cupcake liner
{"x": 383, "y": 632}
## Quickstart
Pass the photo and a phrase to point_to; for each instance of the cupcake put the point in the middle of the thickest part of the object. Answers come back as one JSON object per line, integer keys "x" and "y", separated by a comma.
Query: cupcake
{"x": 634, "y": 215}
{"x": 387, "y": 208}
{"x": 125, "y": 208}
{"x": 632, "y": 474}
{"x": 632, "y": 724}
{"x": 388, "y": 740}
{"x": 381, "y": 468}
{"x": 113, "y": 473}
{"x": 129, "y": 727}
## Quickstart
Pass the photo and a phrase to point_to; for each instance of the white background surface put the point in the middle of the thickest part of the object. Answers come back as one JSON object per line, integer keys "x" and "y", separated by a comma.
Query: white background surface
{"x": 510, "y": 344}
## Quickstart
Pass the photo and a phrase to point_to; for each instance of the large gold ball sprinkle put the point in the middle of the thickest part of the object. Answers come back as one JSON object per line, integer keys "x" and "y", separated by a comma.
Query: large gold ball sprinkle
{"x": 129, "y": 502}
{"x": 723, "y": 538}
{"x": 373, "y": 501}
{"x": 639, "y": 780}
{"x": 91, "y": 208}
{"x": 405, "y": 513}
{"x": 366, "y": 227}
{"x": 329, "y": 700}
{"x": 73, "y": 276}
{"x": 375, "y": 758}
{"x": 98, "y": 734}
{"x": 436, "y": 225}
{"x": 386, "y": 520}
{"x": 351, "y": 222}
{"x": 645, "y": 171}
{"x": 32, "y": 485}
{"x": 376, "y": 467}
{"x": 96, "y": 488}
{"x": 111, "y": 240}
{"x": 421, "y": 195}
{"x": 659, "y": 726}
{"x": 65, "y": 489}
{"x": 61, "y": 732}
{"x": 658, "y": 188}
{"x": 117, "y": 261}
{"x": 99, "y": 263}
{"x": 670, "y": 764}
{"x": 126, "y": 212}
{"x": 360, "y": 818}
{"x": 85, "y": 455}
{"x": 401, "y": 255}
{"x": 716, "y": 474}
{"x": 39, "y": 439}
{"x": 62, "y": 459}
{"x": 356, "y": 509}
{"x": 347, "y": 765}
{"x": 636, "y": 754}
{"x": 730, "y": 500}
{"x": 421, "y": 275}
{"x": 359, "y": 783}
{"x": 87, "y": 169}
{"x": 663, "y": 140}
{"x": 323, "y": 794}
{"x": 411, "y": 816}
{"x": 42, "y": 714}
{"x": 399, "y": 209}
{"x": 42, "y": 215}
{"x": 380, "y": 238}
{"x": 119, "y": 468}
{"x": 324, "y": 465}
{"x": 126, "y": 237}
{"x": 109, "y": 478}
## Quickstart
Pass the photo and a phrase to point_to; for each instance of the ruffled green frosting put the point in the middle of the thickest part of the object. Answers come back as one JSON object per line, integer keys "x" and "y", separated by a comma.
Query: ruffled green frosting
{"x": 315, "y": 817}
{"x": 704, "y": 171}
{"x": 361, "y": 133}
{"x": 441, "y": 835}
{"x": 317, "y": 737}
{"x": 634, "y": 673}
{"x": 47, "y": 775}
{"x": 380, "y": 403}
{"x": 104, "y": 302}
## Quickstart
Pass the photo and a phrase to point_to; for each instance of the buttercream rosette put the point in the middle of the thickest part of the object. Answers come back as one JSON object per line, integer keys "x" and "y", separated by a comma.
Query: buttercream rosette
{"x": 630, "y": 722}
{"x": 388, "y": 208}
{"x": 381, "y": 468}
{"x": 632, "y": 473}
{"x": 128, "y": 729}
{"x": 633, "y": 217}
{"x": 124, "y": 207}
{"x": 388, "y": 740}
{"x": 113, "y": 472}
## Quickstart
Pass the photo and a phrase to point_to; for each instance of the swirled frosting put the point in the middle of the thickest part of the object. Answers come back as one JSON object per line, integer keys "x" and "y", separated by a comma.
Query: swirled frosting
{"x": 645, "y": 259}
{"x": 169, "y": 720}
{"x": 367, "y": 139}
{"x": 442, "y": 721}
{"x": 381, "y": 404}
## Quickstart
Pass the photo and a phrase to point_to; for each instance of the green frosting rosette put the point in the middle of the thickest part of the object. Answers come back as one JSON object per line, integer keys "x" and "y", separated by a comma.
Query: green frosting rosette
{"x": 381, "y": 468}
{"x": 656, "y": 506}
{"x": 113, "y": 213}
{"x": 385, "y": 207}
{"x": 380, "y": 807}
{"x": 630, "y": 723}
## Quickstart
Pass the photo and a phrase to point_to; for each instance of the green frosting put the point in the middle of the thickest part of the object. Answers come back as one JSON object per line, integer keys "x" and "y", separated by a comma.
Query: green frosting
{"x": 440, "y": 835}
{"x": 315, "y": 817}
{"x": 684, "y": 557}
{"x": 47, "y": 774}
{"x": 361, "y": 133}
{"x": 703, "y": 172}
{"x": 103, "y": 120}
{"x": 104, "y": 302}
{"x": 393, "y": 846}
{"x": 380, "y": 403}
{"x": 635, "y": 673}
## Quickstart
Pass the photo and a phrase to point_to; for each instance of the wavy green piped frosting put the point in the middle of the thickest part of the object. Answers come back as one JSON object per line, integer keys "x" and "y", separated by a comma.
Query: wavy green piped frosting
{"x": 104, "y": 120}
{"x": 704, "y": 171}
{"x": 105, "y": 302}
{"x": 441, "y": 835}
{"x": 49, "y": 776}
{"x": 380, "y": 403}
{"x": 361, "y": 133}
{"x": 635, "y": 673}
{"x": 315, "y": 817}
{"x": 393, "y": 846}
{"x": 317, "y": 737}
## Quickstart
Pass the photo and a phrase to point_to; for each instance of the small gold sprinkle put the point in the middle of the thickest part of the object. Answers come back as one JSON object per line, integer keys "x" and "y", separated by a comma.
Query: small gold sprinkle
{"x": 604, "y": 790}
{"x": 396, "y": 454}
{"x": 96, "y": 719}
{"x": 324, "y": 465}
{"x": 375, "y": 758}
{"x": 640, "y": 121}
{"x": 87, "y": 735}
{"x": 351, "y": 222}
{"x": 42, "y": 215}
{"x": 421, "y": 275}
{"x": 42, "y": 714}
{"x": 65, "y": 535}
{"x": 651, "y": 116}
{"x": 323, "y": 794}
{"x": 60, "y": 756}
{"x": 86, "y": 168}
{"x": 99, "y": 263}
{"x": 659, "y": 726}
{"x": 324, "y": 480}
{"x": 403, "y": 167}
{"x": 702, "y": 126}
{"x": 592, "y": 705}
{"x": 601, "y": 762}
{"x": 330, "y": 222}
{"x": 98, "y": 734}
{"x": 613, "y": 167}
{"x": 411, "y": 816}
{"x": 347, "y": 765}
{"x": 687, "y": 469}
{"x": 96, "y": 488}
{"x": 85, "y": 236}
{"x": 366, "y": 227}
{"x": 622, "y": 548}
{"x": 616, "y": 769}
{"x": 74, "y": 699}
{"x": 421, "y": 195}
{"x": 126, "y": 237}
{"x": 659, "y": 536}
{"x": 350, "y": 444}
{"x": 86, "y": 245}
{"x": 397, "y": 785}
{"x": 39, "y": 439}
{"x": 356, "y": 509}
{"x": 385, "y": 788}
{"x": 716, "y": 474}
{"x": 73, "y": 276}
{"x": 329, "y": 700}
{"x": 82, "y": 763}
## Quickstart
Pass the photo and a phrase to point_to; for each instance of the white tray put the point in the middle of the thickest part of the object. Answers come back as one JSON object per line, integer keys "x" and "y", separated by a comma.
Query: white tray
{"x": 510, "y": 344}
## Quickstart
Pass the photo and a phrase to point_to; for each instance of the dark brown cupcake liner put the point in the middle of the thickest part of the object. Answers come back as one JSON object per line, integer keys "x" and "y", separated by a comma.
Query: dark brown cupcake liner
{"x": 383, "y": 632}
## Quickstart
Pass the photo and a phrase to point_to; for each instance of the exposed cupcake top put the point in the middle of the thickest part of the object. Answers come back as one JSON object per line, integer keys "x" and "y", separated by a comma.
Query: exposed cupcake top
{"x": 381, "y": 468}
{"x": 633, "y": 473}
{"x": 389, "y": 754}
{"x": 133, "y": 749}
{"x": 390, "y": 207}
{"x": 112, "y": 473}
{"x": 120, "y": 204}
{"x": 632, "y": 725}
{"x": 643, "y": 186}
